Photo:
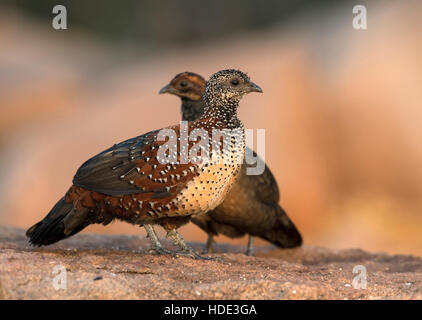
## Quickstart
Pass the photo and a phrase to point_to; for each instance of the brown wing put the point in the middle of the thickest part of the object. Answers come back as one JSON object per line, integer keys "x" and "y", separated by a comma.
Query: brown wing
{"x": 108, "y": 171}
{"x": 131, "y": 167}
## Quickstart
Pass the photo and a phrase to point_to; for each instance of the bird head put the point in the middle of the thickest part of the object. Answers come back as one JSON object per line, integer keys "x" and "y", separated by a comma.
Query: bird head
{"x": 228, "y": 87}
{"x": 187, "y": 85}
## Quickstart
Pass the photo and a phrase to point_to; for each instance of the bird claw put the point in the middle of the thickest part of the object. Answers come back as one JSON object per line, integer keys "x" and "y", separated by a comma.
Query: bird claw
{"x": 175, "y": 254}
{"x": 194, "y": 255}
{"x": 186, "y": 249}
{"x": 160, "y": 251}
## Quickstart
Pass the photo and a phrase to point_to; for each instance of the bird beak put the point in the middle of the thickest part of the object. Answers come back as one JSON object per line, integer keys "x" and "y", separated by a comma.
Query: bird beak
{"x": 254, "y": 87}
{"x": 167, "y": 89}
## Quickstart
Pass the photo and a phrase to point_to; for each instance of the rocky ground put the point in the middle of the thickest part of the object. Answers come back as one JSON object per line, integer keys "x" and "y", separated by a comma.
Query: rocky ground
{"x": 121, "y": 267}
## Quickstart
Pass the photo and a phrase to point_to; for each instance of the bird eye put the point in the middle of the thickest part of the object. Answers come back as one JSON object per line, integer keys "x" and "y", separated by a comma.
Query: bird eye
{"x": 234, "y": 82}
{"x": 183, "y": 83}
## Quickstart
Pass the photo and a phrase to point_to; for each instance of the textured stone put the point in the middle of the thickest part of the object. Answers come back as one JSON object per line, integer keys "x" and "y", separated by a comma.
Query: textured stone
{"x": 120, "y": 267}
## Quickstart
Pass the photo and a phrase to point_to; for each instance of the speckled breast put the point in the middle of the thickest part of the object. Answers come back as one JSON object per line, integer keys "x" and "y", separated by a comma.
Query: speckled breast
{"x": 217, "y": 174}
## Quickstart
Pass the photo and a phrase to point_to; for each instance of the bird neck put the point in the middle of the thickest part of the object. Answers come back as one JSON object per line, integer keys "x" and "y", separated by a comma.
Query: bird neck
{"x": 224, "y": 112}
{"x": 192, "y": 110}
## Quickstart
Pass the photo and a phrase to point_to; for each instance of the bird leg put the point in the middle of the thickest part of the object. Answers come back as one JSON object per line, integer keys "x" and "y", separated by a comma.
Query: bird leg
{"x": 249, "y": 251}
{"x": 156, "y": 244}
{"x": 186, "y": 249}
{"x": 210, "y": 241}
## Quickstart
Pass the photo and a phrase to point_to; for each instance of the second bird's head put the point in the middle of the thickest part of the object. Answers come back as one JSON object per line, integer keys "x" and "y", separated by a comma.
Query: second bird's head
{"x": 186, "y": 85}
{"x": 225, "y": 86}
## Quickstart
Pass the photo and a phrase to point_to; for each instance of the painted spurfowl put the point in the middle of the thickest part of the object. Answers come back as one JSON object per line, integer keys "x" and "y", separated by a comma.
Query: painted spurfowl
{"x": 146, "y": 180}
{"x": 251, "y": 207}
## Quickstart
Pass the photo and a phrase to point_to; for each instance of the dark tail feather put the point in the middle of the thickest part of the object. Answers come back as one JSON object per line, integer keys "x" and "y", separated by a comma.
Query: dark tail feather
{"x": 284, "y": 234}
{"x": 60, "y": 223}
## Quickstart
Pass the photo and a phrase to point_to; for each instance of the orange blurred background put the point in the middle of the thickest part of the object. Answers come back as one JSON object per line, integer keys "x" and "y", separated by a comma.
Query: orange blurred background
{"x": 342, "y": 111}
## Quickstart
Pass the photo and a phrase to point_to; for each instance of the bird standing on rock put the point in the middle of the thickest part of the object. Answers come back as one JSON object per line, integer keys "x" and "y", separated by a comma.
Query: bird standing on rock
{"x": 130, "y": 182}
{"x": 251, "y": 207}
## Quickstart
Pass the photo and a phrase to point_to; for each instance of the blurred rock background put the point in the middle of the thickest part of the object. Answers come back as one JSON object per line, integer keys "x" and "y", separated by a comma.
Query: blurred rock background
{"x": 342, "y": 108}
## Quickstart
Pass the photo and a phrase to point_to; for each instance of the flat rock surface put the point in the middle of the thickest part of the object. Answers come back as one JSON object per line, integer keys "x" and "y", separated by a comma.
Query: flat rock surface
{"x": 122, "y": 267}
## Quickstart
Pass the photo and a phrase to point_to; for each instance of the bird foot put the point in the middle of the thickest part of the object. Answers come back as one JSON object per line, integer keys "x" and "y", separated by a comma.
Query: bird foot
{"x": 249, "y": 252}
{"x": 194, "y": 255}
{"x": 157, "y": 247}
{"x": 161, "y": 251}
{"x": 181, "y": 253}
{"x": 186, "y": 249}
